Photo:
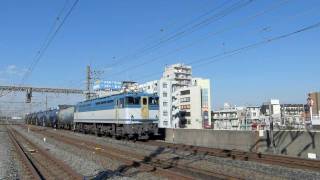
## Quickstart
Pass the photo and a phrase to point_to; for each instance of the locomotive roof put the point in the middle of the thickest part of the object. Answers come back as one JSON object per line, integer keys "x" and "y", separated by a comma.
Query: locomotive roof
{"x": 121, "y": 95}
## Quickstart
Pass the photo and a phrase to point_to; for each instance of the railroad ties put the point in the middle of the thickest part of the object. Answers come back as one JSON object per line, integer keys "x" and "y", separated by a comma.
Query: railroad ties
{"x": 171, "y": 167}
{"x": 158, "y": 166}
{"x": 37, "y": 162}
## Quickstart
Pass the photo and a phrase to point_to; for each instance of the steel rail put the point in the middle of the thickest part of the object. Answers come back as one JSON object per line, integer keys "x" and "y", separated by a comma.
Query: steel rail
{"x": 54, "y": 162}
{"x": 159, "y": 165}
{"x": 26, "y": 160}
{"x": 286, "y": 161}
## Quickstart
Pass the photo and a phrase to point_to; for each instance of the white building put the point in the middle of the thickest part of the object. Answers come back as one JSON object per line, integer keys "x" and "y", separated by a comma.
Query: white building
{"x": 184, "y": 101}
{"x": 174, "y": 77}
{"x": 193, "y": 105}
{"x": 252, "y": 118}
{"x": 165, "y": 103}
{"x": 204, "y": 85}
{"x": 237, "y": 118}
{"x": 227, "y": 119}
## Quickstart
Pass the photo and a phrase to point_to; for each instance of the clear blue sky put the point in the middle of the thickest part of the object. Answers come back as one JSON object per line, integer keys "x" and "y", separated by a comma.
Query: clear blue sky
{"x": 100, "y": 33}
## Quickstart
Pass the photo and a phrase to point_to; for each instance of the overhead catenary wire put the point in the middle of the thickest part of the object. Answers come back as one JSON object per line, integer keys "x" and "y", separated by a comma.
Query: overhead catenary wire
{"x": 188, "y": 28}
{"x": 162, "y": 29}
{"x": 209, "y": 60}
{"x": 221, "y": 56}
{"x": 178, "y": 49}
{"x": 191, "y": 26}
{"x": 290, "y": 18}
{"x": 47, "y": 42}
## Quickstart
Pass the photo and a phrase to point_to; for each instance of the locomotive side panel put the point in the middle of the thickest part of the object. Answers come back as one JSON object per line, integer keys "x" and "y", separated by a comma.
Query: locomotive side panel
{"x": 123, "y": 115}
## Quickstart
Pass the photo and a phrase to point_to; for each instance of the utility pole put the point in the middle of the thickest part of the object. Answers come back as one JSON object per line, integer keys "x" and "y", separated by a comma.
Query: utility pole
{"x": 46, "y": 102}
{"x": 88, "y": 83}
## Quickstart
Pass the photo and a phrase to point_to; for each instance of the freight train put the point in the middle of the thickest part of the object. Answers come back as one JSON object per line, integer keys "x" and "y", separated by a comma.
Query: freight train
{"x": 125, "y": 115}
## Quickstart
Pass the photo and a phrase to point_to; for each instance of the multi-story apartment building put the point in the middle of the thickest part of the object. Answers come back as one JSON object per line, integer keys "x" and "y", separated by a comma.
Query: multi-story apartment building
{"x": 175, "y": 77}
{"x": 284, "y": 115}
{"x": 185, "y": 102}
{"x": 228, "y": 118}
{"x": 252, "y": 118}
{"x": 292, "y": 114}
{"x": 193, "y": 106}
{"x": 165, "y": 104}
{"x": 205, "y": 89}
{"x": 237, "y": 118}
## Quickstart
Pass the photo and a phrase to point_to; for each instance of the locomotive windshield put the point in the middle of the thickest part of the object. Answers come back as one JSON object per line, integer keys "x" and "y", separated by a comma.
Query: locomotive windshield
{"x": 132, "y": 100}
{"x": 153, "y": 100}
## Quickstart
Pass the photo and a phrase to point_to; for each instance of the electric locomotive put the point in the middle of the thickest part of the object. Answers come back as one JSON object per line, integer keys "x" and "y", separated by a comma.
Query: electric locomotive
{"x": 125, "y": 115}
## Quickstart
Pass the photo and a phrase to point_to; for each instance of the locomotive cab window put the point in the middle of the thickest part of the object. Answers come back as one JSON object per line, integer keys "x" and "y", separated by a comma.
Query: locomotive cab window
{"x": 153, "y": 100}
{"x": 132, "y": 100}
{"x": 120, "y": 102}
{"x": 144, "y": 101}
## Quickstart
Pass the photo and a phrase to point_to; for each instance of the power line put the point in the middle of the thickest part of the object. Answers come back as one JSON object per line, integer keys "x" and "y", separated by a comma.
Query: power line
{"x": 47, "y": 42}
{"x": 221, "y": 56}
{"x": 53, "y": 26}
{"x": 190, "y": 27}
{"x": 209, "y": 60}
{"x": 163, "y": 29}
{"x": 50, "y": 40}
{"x": 245, "y": 20}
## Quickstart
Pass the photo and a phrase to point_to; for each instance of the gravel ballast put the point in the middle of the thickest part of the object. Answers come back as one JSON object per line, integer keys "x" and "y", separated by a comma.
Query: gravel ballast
{"x": 9, "y": 165}
{"x": 250, "y": 170}
{"x": 83, "y": 161}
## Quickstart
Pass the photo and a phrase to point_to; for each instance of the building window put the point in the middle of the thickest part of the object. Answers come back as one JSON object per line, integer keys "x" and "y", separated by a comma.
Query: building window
{"x": 204, "y": 98}
{"x": 164, "y": 85}
{"x": 186, "y": 99}
{"x": 165, "y": 113}
{"x": 165, "y": 94}
{"x": 188, "y": 114}
{"x": 183, "y": 107}
{"x": 185, "y": 92}
{"x": 254, "y": 114}
{"x": 189, "y": 121}
{"x": 165, "y": 123}
{"x": 165, "y": 104}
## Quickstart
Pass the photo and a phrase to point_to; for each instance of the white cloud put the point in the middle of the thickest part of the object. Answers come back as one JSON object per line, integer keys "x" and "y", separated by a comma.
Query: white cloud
{"x": 13, "y": 70}
{"x": 11, "y": 73}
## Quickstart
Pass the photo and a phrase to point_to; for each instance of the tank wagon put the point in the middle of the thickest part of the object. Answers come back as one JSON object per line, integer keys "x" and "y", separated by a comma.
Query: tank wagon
{"x": 65, "y": 118}
{"x": 43, "y": 118}
{"x": 126, "y": 115}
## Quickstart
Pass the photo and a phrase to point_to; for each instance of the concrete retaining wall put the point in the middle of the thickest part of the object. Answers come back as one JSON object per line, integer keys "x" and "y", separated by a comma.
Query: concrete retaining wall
{"x": 292, "y": 143}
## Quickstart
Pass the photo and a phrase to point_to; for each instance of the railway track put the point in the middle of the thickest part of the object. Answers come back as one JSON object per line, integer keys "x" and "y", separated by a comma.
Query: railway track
{"x": 38, "y": 163}
{"x": 285, "y": 161}
{"x": 159, "y": 166}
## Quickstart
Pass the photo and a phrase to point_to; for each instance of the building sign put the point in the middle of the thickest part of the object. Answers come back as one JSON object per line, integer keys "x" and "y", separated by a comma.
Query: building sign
{"x": 107, "y": 85}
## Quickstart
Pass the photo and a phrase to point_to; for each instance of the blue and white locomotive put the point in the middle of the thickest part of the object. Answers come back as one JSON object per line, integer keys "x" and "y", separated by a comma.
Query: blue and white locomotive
{"x": 125, "y": 115}
{"x": 131, "y": 115}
